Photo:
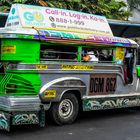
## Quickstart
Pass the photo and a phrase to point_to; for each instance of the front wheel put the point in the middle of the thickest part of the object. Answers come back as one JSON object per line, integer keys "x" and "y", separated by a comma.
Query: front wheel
{"x": 65, "y": 111}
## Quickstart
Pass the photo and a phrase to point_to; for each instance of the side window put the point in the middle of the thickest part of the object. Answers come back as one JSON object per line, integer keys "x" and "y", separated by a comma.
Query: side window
{"x": 98, "y": 55}
{"x": 106, "y": 55}
{"x": 58, "y": 53}
{"x": 47, "y": 53}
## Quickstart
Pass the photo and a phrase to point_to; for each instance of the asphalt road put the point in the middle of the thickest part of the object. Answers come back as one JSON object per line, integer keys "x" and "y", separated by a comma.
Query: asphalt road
{"x": 121, "y": 124}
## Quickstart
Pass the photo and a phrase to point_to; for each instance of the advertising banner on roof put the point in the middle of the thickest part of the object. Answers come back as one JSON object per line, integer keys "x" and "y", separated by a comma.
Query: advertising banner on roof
{"x": 57, "y": 19}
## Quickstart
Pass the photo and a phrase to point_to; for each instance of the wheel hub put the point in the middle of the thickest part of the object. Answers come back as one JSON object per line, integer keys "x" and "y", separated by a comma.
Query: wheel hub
{"x": 66, "y": 108}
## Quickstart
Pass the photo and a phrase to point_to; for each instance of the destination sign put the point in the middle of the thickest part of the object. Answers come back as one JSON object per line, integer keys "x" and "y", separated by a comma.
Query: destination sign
{"x": 57, "y": 19}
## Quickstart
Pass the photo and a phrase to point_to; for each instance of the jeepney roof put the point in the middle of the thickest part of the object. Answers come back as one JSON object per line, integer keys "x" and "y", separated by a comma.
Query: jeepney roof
{"x": 59, "y": 37}
{"x": 60, "y": 26}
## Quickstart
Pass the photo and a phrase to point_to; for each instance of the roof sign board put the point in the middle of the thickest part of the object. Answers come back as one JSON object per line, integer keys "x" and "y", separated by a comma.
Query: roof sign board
{"x": 57, "y": 19}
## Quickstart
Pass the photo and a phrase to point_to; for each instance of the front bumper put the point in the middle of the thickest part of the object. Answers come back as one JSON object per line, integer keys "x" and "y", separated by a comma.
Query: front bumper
{"x": 21, "y": 110}
{"x": 20, "y": 103}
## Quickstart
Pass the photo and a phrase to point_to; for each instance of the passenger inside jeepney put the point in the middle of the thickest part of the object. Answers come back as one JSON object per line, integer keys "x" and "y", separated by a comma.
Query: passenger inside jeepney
{"x": 90, "y": 55}
{"x": 129, "y": 61}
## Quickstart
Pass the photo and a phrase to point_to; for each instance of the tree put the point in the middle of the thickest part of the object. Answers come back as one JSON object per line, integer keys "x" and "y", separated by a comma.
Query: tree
{"x": 110, "y": 8}
{"x": 6, "y": 4}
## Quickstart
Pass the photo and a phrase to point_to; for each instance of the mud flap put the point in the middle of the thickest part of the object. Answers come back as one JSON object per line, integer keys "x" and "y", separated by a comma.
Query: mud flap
{"x": 42, "y": 117}
{"x": 5, "y": 121}
{"x": 21, "y": 118}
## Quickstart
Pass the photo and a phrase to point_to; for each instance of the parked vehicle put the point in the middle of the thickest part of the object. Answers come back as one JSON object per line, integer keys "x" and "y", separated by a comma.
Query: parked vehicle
{"x": 43, "y": 69}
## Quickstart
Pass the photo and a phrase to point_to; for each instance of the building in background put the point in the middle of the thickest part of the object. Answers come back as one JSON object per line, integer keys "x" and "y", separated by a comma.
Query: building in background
{"x": 135, "y": 10}
{"x": 135, "y": 14}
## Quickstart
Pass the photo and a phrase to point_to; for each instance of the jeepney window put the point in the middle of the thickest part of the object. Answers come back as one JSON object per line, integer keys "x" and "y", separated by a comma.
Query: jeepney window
{"x": 106, "y": 55}
{"x": 100, "y": 55}
{"x": 129, "y": 62}
{"x": 55, "y": 53}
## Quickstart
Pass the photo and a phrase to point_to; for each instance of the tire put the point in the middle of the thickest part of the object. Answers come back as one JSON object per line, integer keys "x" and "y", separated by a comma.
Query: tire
{"x": 65, "y": 111}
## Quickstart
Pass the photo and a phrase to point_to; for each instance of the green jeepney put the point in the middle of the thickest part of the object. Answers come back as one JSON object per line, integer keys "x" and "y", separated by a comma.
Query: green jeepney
{"x": 41, "y": 66}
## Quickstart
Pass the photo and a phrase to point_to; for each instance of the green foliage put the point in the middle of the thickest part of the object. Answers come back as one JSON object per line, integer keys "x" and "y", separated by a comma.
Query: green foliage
{"x": 6, "y": 4}
{"x": 110, "y": 8}
{"x": 4, "y": 8}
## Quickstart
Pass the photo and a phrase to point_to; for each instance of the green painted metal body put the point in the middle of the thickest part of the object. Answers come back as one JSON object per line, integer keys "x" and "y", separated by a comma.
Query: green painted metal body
{"x": 26, "y": 82}
{"x": 26, "y": 51}
{"x": 138, "y": 70}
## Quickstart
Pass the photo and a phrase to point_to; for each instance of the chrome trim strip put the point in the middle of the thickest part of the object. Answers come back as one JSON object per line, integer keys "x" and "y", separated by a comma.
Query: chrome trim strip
{"x": 56, "y": 81}
{"x": 111, "y": 96}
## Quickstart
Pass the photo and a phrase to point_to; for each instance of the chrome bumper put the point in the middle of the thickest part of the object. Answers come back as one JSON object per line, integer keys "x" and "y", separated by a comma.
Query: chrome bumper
{"x": 21, "y": 110}
{"x": 21, "y": 103}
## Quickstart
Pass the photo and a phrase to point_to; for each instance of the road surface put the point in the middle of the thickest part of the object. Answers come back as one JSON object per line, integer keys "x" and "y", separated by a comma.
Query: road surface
{"x": 119, "y": 124}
